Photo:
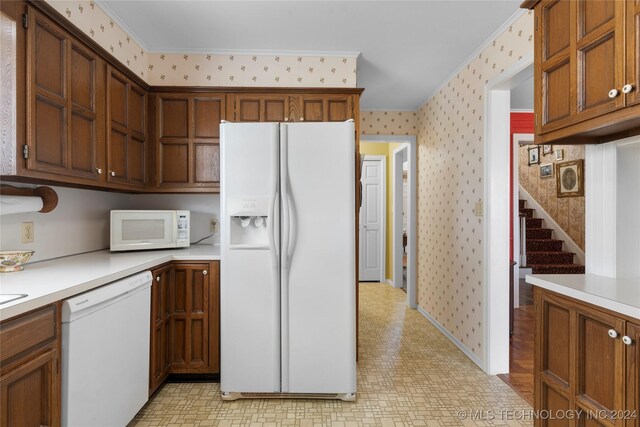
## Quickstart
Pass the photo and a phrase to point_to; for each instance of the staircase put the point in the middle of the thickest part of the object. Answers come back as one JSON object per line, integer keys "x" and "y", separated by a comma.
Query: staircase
{"x": 544, "y": 254}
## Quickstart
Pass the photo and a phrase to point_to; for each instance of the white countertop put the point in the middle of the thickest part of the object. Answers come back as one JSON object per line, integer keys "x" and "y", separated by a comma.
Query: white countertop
{"x": 53, "y": 280}
{"x": 619, "y": 295}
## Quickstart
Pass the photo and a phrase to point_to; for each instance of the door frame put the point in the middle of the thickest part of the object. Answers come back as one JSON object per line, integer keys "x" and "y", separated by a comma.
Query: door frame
{"x": 383, "y": 217}
{"x": 495, "y": 295}
{"x": 410, "y": 140}
{"x": 397, "y": 159}
{"x": 518, "y": 139}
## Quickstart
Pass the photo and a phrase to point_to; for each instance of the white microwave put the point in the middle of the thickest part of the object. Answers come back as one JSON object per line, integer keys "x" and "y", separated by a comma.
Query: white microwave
{"x": 149, "y": 229}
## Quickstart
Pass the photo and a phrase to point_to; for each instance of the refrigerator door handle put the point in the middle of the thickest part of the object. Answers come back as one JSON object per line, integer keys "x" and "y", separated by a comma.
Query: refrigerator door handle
{"x": 292, "y": 227}
{"x": 284, "y": 187}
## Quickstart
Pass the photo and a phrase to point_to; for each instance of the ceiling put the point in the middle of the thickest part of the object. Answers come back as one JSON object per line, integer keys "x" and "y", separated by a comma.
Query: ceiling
{"x": 408, "y": 48}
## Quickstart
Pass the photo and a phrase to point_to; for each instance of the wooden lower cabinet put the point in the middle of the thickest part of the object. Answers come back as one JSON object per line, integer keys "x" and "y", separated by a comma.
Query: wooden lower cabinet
{"x": 30, "y": 369}
{"x": 185, "y": 320}
{"x": 586, "y": 363}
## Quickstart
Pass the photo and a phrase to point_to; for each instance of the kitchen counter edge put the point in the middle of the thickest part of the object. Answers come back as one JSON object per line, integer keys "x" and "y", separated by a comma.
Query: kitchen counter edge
{"x": 49, "y": 281}
{"x": 618, "y": 295}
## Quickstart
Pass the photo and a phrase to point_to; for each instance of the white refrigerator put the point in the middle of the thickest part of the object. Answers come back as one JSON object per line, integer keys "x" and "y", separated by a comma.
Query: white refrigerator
{"x": 288, "y": 297}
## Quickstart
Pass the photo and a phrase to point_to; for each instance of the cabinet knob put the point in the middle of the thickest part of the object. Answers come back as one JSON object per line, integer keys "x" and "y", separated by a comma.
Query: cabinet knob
{"x": 627, "y": 88}
{"x": 204, "y": 272}
{"x": 157, "y": 278}
{"x": 613, "y": 333}
{"x": 627, "y": 340}
{"x": 286, "y": 119}
{"x": 613, "y": 93}
{"x": 112, "y": 173}
{"x": 99, "y": 171}
{"x": 302, "y": 119}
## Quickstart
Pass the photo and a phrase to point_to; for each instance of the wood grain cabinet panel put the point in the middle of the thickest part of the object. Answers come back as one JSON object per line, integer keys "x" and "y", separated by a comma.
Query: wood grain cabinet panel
{"x": 321, "y": 108}
{"x": 160, "y": 360}
{"x": 64, "y": 118}
{"x": 188, "y": 141}
{"x": 586, "y": 70}
{"x": 126, "y": 132}
{"x": 261, "y": 108}
{"x": 586, "y": 361}
{"x": 195, "y": 317}
{"x": 30, "y": 369}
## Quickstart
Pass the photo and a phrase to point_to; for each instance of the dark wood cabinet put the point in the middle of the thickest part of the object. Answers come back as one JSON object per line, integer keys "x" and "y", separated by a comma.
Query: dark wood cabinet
{"x": 160, "y": 360}
{"x": 187, "y": 142}
{"x": 321, "y": 108}
{"x": 585, "y": 362}
{"x": 310, "y": 107}
{"x": 185, "y": 320}
{"x": 586, "y": 70}
{"x": 260, "y": 107}
{"x": 195, "y": 302}
{"x": 126, "y": 131}
{"x": 30, "y": 369}
{"x": 65, "y": 117}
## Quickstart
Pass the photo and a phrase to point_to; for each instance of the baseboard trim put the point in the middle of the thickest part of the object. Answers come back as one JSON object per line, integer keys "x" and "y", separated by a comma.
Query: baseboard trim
{"x": 390, "y": 282}
{"x": 474, "y": 358}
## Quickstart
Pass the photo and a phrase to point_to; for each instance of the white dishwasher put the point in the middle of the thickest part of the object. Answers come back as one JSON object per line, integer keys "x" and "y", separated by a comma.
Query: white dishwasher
{"x": 105, "y": 353}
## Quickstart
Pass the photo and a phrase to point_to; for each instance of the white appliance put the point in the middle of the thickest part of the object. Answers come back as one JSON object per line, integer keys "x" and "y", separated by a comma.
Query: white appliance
{"x": 105, "y": 353}
{"x": 149, "y": 229}
{"x": 288, "y": 263}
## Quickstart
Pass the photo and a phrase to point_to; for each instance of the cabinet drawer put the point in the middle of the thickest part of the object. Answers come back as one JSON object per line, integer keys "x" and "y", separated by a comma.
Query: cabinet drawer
{"x": 26, "y": 332}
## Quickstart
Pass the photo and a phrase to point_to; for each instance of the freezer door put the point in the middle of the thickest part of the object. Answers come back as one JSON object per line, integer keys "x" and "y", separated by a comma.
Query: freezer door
{"x": 249, "y": 268}
{"x": 318, "y": 258}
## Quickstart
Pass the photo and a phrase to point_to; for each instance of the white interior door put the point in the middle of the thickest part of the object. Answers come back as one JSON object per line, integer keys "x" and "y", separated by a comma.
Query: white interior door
{"x": 372, "y": 219}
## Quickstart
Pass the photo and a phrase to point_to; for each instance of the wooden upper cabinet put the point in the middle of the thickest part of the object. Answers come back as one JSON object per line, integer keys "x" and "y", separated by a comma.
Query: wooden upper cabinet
{"x": 65, "y": 115}
{"x": 321, "y": 108}
{"x": 126, "y": 131}
{"x": 261, "y": 108}
{"x": 188, "y": 140}
{"x": 586, "y": 69}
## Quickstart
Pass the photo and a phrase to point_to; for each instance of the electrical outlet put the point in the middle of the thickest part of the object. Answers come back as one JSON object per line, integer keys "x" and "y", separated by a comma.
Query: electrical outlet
{"x": 213, "y": 225}
{"x": 28, "y": 231}
{"x": 479, "y": 208}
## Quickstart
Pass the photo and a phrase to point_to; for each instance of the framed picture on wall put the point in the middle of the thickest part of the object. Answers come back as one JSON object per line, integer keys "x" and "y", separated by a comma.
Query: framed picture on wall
{"x": 534, "y": 155}
{"x": 559, "y": 155}
{"x": 570, "y": 178}
{"x": 546, "y": 170}
{"x": 547, "y": 149}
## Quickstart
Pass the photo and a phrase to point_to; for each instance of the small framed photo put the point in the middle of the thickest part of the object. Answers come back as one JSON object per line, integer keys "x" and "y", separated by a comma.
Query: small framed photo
{"x": 570, "y": 178}
{"x": 534, "y": 155}
{"x": 559, "y": 154}
{"x": 546, "y": 170}
{"x": 547, "y": 149}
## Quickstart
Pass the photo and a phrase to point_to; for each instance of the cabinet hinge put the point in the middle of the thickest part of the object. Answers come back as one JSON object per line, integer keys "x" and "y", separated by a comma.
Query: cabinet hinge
{"x": 25, "y": 20}
{"x": 25, "y": 151}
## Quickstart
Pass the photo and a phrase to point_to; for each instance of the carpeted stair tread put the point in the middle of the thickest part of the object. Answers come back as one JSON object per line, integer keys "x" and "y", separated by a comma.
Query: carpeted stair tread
{"x": 539, "y": 233}
{"x": 550, "y": 257}
{"x": 540, "y": 245}
{"x": 521, "y": 203}
{"x": 556, "y": 268}
{"x": 527, "y": 213}
{"x": 534, "y": 223}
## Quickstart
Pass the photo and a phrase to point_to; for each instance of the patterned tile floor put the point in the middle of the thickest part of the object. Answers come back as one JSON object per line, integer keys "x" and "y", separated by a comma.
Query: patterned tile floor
{"x": 409, "y": 374}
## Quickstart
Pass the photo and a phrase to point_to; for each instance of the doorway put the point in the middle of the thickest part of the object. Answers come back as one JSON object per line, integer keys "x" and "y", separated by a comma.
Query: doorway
{"x": 399, "y": 247}
{"x": 373, "y": 219}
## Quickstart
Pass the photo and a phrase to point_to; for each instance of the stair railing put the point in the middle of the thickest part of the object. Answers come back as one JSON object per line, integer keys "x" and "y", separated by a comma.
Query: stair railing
{"x": 523, "y": 240}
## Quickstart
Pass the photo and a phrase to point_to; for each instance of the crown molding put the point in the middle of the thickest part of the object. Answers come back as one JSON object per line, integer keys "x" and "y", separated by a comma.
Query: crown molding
{"x": 501, "y": 29}
{"x": 126, "y": 28}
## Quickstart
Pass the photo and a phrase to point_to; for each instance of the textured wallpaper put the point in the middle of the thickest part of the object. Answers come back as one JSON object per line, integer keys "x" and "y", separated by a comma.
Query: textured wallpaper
{"x": 450, "y": 170}
{"x": 92, "y": 20}
{"x": 568, "y": 212}
{"x": 388, "y": 122}
{"x": 176, "y": 69}
{"x": 250, "y": 70}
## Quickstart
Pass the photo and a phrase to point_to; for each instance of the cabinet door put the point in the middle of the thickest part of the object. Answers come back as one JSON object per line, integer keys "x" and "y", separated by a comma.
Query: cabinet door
{"x": 599, "y": 361}
{"x": 261, "y": 108}
{"x": 30, "y": 393}
{"x": 195, "y": 318}
{"x": 188, "y": 148}
{"x": 633, "y": 51}
{"x": 64, "y": 109}
{"x": 553, "y": 356}
{"x": 126, "y": 131}
{"x": 633, "y": 374}
{"x": 553, "y": 54}
{"x": 160, "y": 362}
{"x": 321, "y": 108}
{"x": 599, "y": 52}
